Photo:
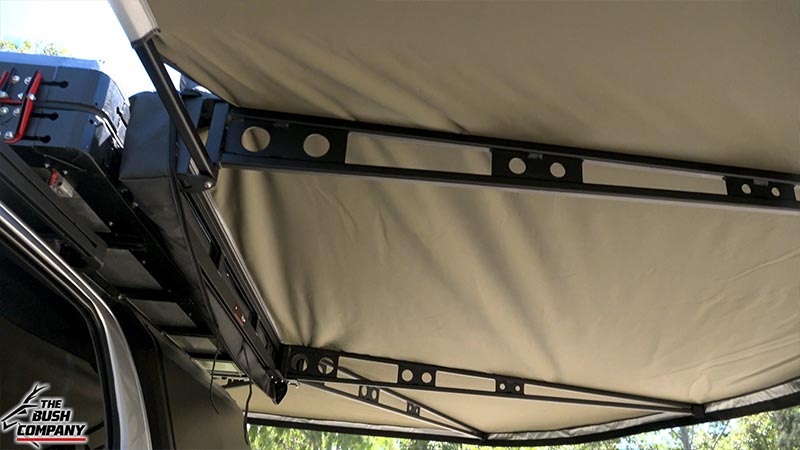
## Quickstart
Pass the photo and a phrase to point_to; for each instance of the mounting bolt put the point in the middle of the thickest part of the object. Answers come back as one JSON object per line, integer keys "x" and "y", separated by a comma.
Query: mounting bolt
{"x": 17, "y": 112}
{"x": 28, "y": 80}
{"x": 46, "y": 165}
{"x": 3, "y": 111}
{"x": 15, "y": 79}
{"x": 3, "y": 94}
{"x": 31, "y": 97}
{"x": 20, "y": 95}
{"x": 208, "y": 184}
{"x": 8, "y": 135}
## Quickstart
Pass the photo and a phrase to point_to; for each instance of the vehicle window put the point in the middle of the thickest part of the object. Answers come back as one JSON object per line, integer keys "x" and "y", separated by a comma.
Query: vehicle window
{"x": 50, "y": 390}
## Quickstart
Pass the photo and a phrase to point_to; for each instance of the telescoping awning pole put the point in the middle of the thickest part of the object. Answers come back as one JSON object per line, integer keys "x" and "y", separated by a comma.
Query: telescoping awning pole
{"x": 154, "y": 65}
{"x": 140, "y": 26}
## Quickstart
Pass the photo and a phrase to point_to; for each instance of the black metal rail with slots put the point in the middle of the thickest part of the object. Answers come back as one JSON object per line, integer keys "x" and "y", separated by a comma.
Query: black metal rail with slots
{"x": 515, "y": 165}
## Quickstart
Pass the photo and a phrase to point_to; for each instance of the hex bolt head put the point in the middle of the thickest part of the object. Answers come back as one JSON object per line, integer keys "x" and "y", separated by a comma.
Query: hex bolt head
{"x": 28, "y": 80}
{"x": 17, "y": 112}
{"x": 31, "y": 97}
{"x": 3, "y": 111}
{"x": 15, "y": 79}
{"x": 20, "y": 95}
{"x": 208, "y": 184}
{"x": 3, "y": 94}
{"x": 8, "y": 135}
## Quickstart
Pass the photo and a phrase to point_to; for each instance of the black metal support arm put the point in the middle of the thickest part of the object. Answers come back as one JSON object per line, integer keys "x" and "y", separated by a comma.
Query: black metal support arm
{"x": 516, "y": 165}
{"x": 312, "y": 365}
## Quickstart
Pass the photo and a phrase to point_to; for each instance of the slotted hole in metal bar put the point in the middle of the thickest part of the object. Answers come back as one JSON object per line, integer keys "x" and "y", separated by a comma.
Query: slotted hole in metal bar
{"x": 452, "y": 380}
{"x": 371, "y": 370}
{"x": 618, "y": 175}
{"x": 415, "y": 154}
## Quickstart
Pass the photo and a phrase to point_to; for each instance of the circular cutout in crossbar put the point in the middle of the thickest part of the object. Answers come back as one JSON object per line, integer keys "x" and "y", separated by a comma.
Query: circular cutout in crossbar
{"x": 746, "y": 188}
{"x": 517, "y": 166}
{"x": 775, "y": 192}
{"x": 325, "y": 366}
{"x": 316, "y": 145}
{"x": 300, "y": 363}
{"x": 407, "y": 375}
{"x": 426, "y": 378}
{"x": 255, "y": 139}
{"x": 558, "y": 170}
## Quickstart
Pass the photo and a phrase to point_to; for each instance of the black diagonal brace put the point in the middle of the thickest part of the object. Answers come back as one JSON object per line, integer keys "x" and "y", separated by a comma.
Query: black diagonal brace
{"x": 363, "y": 399}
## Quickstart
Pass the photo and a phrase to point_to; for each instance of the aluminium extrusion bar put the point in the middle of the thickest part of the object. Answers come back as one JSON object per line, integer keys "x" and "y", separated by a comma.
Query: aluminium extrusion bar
{"x": 746, "y": 188}
{"x": 224, "y": 279}
{"x": 225, "y": 294}
{"x": 212, "y": 223}
{"x": 307, "y": 364}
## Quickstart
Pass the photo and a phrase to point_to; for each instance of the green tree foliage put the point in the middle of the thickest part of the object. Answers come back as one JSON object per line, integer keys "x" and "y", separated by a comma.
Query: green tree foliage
{"x": 39, "y": 48}
{"x": 772, "y": 430}
{"x": 293, "y": 439}
{"x": 776, "y": 430}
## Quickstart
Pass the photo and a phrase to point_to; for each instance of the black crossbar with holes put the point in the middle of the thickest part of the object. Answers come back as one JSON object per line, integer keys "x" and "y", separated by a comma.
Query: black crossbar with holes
{"x": 516, "y": 165}
{"x": 307, "y": 364}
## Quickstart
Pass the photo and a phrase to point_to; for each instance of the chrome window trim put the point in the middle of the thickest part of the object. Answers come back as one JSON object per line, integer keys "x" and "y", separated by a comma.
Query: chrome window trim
{"x": 134, "y": 431}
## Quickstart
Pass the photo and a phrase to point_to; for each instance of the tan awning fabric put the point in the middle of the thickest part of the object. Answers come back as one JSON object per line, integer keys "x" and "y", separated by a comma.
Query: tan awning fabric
{"x": 684, "y": 303}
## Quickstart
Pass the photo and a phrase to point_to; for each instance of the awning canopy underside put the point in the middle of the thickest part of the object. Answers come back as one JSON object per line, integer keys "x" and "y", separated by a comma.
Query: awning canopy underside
{"x": 681, "y": 303}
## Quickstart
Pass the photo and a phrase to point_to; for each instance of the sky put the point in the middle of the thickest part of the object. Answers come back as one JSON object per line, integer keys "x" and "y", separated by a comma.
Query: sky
{"x": 88, "y": 29}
